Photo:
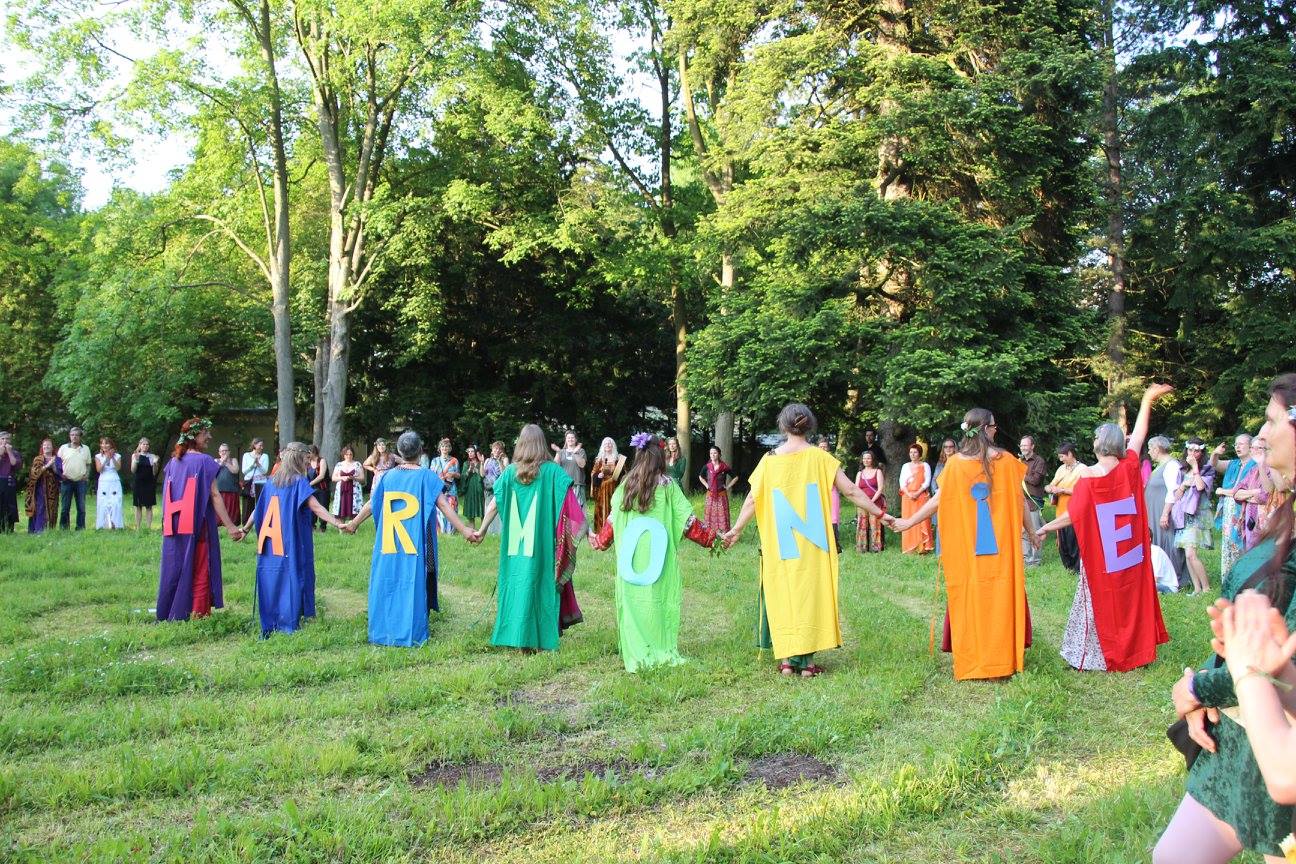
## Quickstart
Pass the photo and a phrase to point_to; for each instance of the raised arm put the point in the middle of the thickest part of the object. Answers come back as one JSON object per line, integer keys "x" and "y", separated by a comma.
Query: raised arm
{"x": 1140, "y": 433}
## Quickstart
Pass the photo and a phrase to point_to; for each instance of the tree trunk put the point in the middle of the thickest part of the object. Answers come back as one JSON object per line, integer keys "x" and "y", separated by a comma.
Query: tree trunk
{"x": 683, "y": 413}
{"x": 321, "y": 370}
{"x": 281, "y": 253}
{"x": 1115, "y": 216}
{"x": 724, "y": 424}
{"x": 339, "y": 339}
{"x": 894, "y": 439}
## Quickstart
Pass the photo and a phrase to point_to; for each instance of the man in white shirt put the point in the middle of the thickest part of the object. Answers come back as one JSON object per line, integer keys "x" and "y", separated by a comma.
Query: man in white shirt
{"x": 255, "y": 470}
{"x": 76, "y": 479}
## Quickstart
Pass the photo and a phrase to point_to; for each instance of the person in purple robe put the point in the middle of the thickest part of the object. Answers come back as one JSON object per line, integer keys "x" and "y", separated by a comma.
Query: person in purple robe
{"x": 190, "y": 581}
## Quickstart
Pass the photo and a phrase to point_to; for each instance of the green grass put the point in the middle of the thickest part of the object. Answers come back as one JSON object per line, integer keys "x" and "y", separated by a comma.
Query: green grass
{"x": 121, "y": 739}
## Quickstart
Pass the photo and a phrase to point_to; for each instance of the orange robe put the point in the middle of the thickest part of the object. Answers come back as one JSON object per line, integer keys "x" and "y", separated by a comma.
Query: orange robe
{"x": 986, "y": 592}
{"x": 919, "y": 537}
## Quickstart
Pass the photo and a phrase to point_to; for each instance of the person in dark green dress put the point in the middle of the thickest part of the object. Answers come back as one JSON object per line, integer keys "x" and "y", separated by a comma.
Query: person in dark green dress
{"x": 676, "y": 462}
{"x": 473, "y": 503}
{"x": 1227, "y": 807}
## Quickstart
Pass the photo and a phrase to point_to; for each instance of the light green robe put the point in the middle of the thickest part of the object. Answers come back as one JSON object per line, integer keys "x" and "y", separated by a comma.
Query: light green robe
{"x": 648, "y": 583}
{"x": 526, "y": 613}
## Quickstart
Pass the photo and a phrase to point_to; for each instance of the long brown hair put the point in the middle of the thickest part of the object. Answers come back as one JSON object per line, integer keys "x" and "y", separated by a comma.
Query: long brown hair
{"x": 645, "y": 476}
{"x": 1269, "y": 578}
{"x": 976, "y": 443}
{"x": 530, "y": 452}
{"x": 294, "y": 463}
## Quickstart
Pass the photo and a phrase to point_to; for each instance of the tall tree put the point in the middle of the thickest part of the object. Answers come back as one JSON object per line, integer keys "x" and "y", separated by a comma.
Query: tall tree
{"x": 371, "y": 63}
{"x": 87, "y": 73}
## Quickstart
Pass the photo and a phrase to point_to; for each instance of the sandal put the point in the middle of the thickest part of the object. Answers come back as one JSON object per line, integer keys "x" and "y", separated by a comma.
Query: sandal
{"x": 786, "y": 668}
{"x": 811, "y": 671}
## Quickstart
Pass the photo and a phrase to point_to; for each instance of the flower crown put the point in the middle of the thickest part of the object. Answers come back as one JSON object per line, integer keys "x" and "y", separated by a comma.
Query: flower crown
{"x": 190, "y": 428}
{"x": 969, "y": 431}
{"x": 640, "y": 440}
{"x": 1291, "y": 414}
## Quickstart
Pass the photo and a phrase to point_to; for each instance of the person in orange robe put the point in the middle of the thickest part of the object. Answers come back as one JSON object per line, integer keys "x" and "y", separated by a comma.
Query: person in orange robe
{"x": 980, "y": 516}
{"x": 915, "y": 490}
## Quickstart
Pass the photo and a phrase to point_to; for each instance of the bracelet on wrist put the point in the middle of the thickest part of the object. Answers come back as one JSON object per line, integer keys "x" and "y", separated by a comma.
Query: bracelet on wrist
{"x": 1253, "y": 672}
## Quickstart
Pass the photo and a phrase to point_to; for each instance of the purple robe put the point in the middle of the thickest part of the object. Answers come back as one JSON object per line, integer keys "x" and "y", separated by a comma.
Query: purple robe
{"x": 186, "y": 511}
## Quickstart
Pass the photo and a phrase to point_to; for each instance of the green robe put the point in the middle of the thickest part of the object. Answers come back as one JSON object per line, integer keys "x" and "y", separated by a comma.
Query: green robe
{"x": 528, "y": 598}
{"x": 648, "y": 585}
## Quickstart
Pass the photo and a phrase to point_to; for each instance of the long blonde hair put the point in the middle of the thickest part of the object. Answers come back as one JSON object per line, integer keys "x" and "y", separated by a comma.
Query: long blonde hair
{"x": 294, "y": 463}
{"x": 530, "y": 452}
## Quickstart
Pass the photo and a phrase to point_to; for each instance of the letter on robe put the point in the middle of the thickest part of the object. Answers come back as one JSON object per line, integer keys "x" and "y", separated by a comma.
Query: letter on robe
{"x": 394, "y": 520}
{"x": 627, "y": 545}
{"x": 1112, "y": 534}
{"x": 185, "y": 507}
{"x": 521, "y": 534}
{"x": 812, "y": 527}
{"x": 271, "y": 528}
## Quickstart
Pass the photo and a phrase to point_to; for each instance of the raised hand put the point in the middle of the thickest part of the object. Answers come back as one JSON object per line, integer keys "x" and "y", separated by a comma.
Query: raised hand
{"x": 1255, "y": 637}
{"x": 1156, "y": 391}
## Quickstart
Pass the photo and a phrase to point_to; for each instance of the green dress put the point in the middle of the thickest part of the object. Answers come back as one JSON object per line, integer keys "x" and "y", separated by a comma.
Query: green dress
{"x": 648, "y": 583}
{"x": 528, "y": 598}
{"x": 1228, "y": 782}
{"x": 473, "y": 503}
{"x": 678, "y": 470}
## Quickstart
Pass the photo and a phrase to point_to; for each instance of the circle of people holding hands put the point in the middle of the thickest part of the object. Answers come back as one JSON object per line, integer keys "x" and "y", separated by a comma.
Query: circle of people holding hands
{"x": 1129, "y": 527}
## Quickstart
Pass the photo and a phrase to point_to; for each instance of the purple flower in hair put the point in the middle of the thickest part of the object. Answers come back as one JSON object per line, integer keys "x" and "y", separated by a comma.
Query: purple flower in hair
{"x": 640, "y": 440}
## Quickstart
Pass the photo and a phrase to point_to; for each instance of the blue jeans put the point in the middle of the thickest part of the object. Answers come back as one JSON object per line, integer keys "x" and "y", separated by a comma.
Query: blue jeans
{"x": 67, "y": 489}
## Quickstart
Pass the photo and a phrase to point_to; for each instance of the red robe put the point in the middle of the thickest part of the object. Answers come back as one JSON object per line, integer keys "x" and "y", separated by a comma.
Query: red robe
{"x": 1111, "y": 527}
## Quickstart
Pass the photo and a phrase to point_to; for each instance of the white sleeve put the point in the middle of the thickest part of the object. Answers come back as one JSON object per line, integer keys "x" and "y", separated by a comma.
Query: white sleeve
{"x": 1170, "y": 474}
{"x": 905, "y": 471}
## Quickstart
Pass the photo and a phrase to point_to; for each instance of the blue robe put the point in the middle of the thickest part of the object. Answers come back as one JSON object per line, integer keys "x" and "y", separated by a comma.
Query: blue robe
{"x": 285, "y": 570}
{"x": 402, "y": 577}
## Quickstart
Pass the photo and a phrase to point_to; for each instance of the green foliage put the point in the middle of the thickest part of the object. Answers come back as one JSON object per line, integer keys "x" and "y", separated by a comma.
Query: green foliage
{"x": 159, "y": 325}
{"x": 39, "y": 239}
{"x": 1212, "y": 212}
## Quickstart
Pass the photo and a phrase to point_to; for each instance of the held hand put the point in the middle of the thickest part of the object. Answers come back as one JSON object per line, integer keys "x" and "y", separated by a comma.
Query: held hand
{"x": 1197, "y": 731}
{"x": 1165, "y": 523}
{"x": 899, "y": 526}
{"x": 235, "y": 533}
{"x": 1036, "y": 540}
{"x": 1184, "y": 701}
{"x": 729, "y": 537}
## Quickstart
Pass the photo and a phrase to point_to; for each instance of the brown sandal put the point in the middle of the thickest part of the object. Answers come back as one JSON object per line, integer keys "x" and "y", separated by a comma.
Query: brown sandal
{"x": 811, "y": 671}
{"x": 786, "y": 668}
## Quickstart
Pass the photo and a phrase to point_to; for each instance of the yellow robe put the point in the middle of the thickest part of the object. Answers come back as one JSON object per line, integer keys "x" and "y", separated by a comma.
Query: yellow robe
{"x": 798, "y": 550}
{"x": 986, "y": 592}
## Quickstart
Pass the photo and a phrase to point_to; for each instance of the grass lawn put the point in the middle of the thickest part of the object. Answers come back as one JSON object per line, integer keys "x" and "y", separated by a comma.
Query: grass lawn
{"x": 122, "y": 739}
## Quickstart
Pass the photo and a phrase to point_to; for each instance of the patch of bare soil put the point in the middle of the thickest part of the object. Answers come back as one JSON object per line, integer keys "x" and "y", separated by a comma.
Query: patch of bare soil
{"x": 621, "y": 768}
{"x": 554, "y": 698}
{"x": 781, "y": 770}
{"x": 450, "y": 774}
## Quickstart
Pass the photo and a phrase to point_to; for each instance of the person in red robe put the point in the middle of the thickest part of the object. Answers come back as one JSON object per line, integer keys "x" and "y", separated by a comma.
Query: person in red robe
{"x": 1115, "y": 623}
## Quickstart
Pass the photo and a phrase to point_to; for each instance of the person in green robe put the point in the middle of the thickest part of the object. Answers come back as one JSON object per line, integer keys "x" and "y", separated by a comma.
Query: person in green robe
{"x": 676, "y": 462}
{"x": 542, "y": 521}
{"x": 473, "y": 503}
{"x": 649, "y": 515}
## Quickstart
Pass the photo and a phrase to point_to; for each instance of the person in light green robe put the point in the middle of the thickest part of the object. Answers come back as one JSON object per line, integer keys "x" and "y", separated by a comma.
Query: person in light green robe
{"x": 541, "y": 520}
{"x": 646, "y": 530}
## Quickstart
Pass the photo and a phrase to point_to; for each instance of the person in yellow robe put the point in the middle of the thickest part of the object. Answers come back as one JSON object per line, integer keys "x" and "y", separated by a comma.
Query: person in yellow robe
{"x": 980, "y": 516}
{"x": 791, "y": 501}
